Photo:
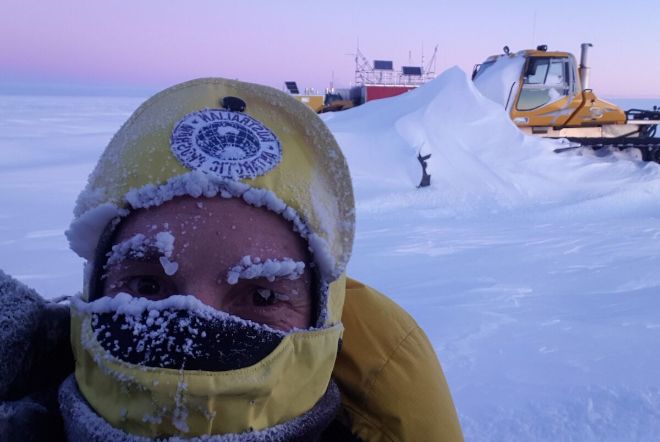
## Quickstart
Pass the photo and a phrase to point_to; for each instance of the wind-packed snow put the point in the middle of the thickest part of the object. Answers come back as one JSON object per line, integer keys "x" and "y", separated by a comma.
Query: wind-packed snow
{"x": 499, "y": 81}
{"x": 479, "y": 160}
{"x": 534, "y": 274}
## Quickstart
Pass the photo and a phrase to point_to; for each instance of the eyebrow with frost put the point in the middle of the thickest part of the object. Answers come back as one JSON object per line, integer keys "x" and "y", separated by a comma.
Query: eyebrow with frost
{"x": 141, "y": 247}
{"x": 270, "y": 269}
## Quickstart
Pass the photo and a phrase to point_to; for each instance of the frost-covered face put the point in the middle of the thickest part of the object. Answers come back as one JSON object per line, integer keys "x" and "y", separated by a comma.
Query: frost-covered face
{"x": 234, "y": 257}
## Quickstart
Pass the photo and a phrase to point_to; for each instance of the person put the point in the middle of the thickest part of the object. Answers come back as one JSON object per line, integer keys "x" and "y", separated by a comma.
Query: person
{"x": 216, "y": 230}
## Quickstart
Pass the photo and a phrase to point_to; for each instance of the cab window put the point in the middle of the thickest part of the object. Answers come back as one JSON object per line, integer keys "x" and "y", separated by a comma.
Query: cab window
{"x": 546, "y": 80}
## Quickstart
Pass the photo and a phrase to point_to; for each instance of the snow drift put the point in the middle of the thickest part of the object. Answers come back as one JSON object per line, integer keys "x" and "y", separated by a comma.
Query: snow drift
{"x": 479, "y": 159}
{"x": 534, "y": 273}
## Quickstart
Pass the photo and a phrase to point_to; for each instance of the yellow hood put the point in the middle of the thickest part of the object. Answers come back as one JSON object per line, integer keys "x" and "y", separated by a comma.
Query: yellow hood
{"x": 301, "y": 174}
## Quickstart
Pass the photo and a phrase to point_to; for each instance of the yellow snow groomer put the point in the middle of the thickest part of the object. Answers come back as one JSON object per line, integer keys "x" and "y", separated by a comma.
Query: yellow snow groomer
{"x": 547, "y": 93}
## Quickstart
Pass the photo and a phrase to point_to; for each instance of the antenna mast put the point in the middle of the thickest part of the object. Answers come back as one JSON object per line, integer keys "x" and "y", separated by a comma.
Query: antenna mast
{"x": 429, "y": 70}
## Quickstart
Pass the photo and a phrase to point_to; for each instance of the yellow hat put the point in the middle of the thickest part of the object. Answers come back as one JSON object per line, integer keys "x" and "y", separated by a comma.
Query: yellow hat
{"x": 204, "y": 138}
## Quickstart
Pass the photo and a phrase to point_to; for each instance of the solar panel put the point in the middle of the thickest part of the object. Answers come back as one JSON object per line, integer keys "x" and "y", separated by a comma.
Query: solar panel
{"x": 383, "y": 65}
{"x": 412, "y": 70}
{"x": 292, "y": 87}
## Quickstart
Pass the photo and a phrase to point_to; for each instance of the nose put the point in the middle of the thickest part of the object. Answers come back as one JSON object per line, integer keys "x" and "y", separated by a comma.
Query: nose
{"x": 210, "y": 292}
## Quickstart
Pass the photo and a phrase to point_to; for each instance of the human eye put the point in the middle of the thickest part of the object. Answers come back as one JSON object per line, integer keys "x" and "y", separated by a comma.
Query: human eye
{"x": 279, "y": 305}
{"x": 264, "y": 297}
{"x": 144, "y": 286}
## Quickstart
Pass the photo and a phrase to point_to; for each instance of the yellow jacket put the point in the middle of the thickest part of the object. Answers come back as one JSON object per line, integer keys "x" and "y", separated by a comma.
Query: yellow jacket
{"x": 392, "y": 386}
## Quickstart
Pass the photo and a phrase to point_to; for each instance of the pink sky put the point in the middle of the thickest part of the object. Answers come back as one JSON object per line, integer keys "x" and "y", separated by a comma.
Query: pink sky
{"x": 153, "y": 44}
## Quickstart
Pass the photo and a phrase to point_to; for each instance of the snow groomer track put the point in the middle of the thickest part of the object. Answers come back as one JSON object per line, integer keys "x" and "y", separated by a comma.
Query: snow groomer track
{"x": 643, "y": 142}
{"x": 646, "y": 149}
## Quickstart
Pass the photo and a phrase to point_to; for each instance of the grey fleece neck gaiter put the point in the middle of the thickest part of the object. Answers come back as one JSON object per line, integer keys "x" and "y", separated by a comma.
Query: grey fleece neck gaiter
{"x": 82, "y": 424}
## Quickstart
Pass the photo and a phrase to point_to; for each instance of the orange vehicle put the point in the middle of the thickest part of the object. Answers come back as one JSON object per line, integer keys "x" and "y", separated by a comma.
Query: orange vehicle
{"x": 547, "y": 93}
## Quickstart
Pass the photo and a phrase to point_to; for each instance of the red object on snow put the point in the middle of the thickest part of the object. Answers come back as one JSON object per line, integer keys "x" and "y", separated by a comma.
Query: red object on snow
{"x": 374, "y": 92}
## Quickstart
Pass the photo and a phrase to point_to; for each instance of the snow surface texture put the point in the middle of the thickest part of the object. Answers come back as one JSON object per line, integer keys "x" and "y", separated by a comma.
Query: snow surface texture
{"x": 534, "y": 274}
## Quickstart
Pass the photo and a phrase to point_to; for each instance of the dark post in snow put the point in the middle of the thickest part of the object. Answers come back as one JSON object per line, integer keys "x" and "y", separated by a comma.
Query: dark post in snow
{"x": 426, "y": 178}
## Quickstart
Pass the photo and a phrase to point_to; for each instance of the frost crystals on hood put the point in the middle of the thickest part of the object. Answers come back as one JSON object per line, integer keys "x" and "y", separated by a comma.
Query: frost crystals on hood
{"x": 87, "y": 228}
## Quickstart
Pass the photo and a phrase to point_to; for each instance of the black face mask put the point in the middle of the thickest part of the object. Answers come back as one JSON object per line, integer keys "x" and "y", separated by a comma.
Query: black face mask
{"x": 184, "y": 339}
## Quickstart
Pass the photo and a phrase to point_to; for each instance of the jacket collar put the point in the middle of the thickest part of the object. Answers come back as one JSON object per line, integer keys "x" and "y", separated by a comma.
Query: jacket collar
{"x": 83, "y": 424}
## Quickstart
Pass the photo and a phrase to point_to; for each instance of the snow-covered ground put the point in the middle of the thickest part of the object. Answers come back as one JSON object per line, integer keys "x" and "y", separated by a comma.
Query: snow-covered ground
{"x": 534, "y": 274}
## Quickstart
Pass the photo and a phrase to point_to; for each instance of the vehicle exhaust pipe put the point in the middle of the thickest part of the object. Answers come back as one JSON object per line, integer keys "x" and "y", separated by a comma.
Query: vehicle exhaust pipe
{"x": 584, "y": 66}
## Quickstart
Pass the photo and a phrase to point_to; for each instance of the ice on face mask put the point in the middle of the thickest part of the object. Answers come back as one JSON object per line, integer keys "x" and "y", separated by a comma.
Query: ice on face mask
{"x": 177, "y": 332}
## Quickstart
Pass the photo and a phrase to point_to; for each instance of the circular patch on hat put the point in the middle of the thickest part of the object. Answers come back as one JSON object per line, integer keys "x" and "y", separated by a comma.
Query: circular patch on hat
{"x": 226, "y": 144}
